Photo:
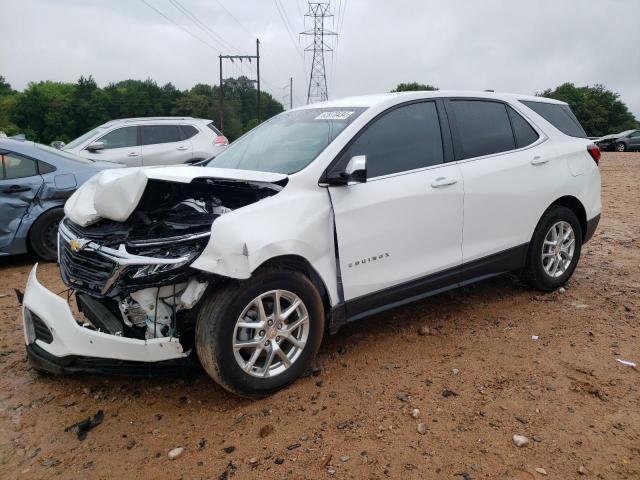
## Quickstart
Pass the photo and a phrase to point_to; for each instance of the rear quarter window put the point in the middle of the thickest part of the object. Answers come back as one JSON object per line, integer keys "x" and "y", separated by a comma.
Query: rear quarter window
{"x": 560, "y": 116}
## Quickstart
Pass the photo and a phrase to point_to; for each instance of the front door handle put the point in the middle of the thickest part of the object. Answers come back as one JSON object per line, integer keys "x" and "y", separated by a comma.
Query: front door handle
{"x": 182, "y": 148}
{"x": 443, "y": 182}
{"x": 16, "y": 189}
{"x": 538, "y": 160}
{"x": 133, "y": 154}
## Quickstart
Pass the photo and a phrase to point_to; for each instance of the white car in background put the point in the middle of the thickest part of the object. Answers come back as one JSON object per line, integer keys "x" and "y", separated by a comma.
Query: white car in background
{"x": 137, "y": 142}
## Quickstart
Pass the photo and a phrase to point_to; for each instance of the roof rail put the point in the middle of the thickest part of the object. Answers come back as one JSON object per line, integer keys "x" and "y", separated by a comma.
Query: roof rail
{"x": 142, "y": 119}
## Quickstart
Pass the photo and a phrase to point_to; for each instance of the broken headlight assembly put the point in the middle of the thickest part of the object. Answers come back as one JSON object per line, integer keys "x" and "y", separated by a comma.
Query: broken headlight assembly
{"x": 181, "y": 256}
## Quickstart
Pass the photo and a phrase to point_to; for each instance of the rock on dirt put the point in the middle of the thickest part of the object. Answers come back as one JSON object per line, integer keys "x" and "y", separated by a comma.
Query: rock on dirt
{"x": 520, "y": 441}
{"x": 176, "y": 453}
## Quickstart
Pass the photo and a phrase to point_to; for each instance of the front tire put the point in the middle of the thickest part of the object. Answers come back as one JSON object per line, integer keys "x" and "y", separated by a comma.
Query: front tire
{"x": 620, "y": 147}
{"x": 554, "y": 250}
{"x": 43, "y": 236}
{"x": 257, "y": 336}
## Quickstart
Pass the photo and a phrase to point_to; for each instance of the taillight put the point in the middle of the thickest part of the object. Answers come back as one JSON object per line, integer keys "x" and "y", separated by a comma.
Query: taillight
{"x": 221, "y": 140}
{"x": 595, "y": 153}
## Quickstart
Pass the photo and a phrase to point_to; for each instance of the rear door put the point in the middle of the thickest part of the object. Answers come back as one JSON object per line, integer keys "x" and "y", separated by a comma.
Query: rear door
{"x": 121, "y": 145}
{"x": 19, "y": 185}
{"x": 164, "y": 145}
{"x": 510, "y": 176}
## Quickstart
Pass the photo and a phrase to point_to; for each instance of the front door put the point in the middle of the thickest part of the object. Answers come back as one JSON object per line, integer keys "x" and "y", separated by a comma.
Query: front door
{"x": 121, "y": 145}
{"x": 19, "y": 185}
{"x": 404, "y": 224}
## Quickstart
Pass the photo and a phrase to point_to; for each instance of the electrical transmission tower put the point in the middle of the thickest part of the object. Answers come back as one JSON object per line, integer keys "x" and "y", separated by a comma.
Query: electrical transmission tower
{"x": 317, "y": 91}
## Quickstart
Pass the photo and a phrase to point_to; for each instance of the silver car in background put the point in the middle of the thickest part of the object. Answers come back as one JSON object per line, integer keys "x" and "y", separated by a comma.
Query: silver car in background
{"x": 136, "y": 142}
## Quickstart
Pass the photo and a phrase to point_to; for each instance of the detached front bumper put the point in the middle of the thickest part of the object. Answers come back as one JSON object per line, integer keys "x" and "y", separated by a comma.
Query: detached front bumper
{"x": 57, "y": 343}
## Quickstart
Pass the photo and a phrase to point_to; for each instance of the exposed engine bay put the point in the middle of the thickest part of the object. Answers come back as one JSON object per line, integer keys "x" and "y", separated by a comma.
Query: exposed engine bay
{"x": 133, "y": 278}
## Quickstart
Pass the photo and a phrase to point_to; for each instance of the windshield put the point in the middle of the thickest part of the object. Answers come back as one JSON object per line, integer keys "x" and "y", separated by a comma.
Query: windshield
{"x": 288, "y": 142}
{"x": 82, "y": 138}
{"x": 63, "y": 154}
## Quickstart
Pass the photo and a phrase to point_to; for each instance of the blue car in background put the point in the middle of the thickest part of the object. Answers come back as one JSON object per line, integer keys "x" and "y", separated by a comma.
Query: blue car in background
{"x": 35, "y": 181}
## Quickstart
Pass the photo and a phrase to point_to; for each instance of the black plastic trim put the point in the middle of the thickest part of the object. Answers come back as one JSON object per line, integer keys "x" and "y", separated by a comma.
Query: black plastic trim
{"x": 46, "y": 362}
{"x": 509, "y": 260}
{"x": 592, "y": 225}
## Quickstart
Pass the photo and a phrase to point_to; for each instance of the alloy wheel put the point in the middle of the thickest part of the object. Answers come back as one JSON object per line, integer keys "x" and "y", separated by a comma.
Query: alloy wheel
{"x": 270, "y": 333}
{"x": 558, "y": 249}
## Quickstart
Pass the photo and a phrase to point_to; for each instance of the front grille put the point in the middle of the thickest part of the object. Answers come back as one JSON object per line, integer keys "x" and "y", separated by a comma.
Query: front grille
{"x": 41, "y": 331}
{"x": 84, "y": 270}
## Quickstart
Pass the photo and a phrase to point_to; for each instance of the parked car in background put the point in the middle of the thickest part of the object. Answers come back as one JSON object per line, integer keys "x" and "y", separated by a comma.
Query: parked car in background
{"x": 320, "y": 216}
{"x": 620, "y": 142}
{"x": 137, "y": 142}
{"x": 35, "y": 181}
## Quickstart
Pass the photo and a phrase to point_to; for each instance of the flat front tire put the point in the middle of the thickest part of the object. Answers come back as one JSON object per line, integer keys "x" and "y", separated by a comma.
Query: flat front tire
{"x": 554, "y": 250}
{"x": 254, "y": 337}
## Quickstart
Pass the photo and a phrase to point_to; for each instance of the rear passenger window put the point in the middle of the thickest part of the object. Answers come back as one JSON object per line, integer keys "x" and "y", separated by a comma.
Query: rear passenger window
{"x": 188, "y": 131}
{"x": 154, "y": 134}
{"x": 560, "y": 116}
{"x": 213, "y": 128}
{"x": 16, "y": 166}
{"x": 525, "y": 134}
{"x": 406, "y": 138}
{"x": 483, "y": 128}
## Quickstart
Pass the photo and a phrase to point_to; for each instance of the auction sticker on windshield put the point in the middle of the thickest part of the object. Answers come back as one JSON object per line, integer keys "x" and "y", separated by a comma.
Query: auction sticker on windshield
{"x": 339, "y": 115}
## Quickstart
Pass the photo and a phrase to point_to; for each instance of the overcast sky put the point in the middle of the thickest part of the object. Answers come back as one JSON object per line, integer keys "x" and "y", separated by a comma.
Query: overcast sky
{"x": 506, "y": 45}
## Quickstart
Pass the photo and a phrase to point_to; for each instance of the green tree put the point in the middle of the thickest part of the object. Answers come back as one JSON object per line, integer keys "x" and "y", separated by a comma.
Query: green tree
{"x": 42, "y": 111}
{"x": 8, "y": 98}
{"x": 413, "y": 87}
{"x": 600, "y": 111}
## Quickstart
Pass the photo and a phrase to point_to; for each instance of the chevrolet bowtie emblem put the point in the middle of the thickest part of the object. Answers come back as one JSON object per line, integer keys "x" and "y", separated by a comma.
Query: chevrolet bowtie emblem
{"x": 75, "y": 245}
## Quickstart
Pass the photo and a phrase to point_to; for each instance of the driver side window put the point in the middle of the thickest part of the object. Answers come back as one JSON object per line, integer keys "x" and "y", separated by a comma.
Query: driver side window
{"x": 120, "y": 138}
{"x": 406, "y": 138}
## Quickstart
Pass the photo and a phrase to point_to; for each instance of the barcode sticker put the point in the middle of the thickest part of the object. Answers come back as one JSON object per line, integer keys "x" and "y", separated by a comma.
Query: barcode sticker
{"x": 339, "y": 115}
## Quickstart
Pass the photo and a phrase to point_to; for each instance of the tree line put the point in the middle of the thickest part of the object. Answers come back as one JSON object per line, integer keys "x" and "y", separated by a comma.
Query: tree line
{"x": 47, "y": 111}
{"x": 599, "y": 110}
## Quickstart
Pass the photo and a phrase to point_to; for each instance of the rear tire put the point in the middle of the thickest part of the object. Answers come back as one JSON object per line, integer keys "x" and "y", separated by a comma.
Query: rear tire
{"x": 270, "y": 361}
{"x": 43, "y": 236}
{"x": 554, "y": 250}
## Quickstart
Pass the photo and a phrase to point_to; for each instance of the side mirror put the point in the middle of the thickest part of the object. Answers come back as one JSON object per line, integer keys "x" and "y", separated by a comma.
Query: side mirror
{"x": 95, "y": 146}
{"x": 58, "y": 144}
{"x": 354, "y": 172}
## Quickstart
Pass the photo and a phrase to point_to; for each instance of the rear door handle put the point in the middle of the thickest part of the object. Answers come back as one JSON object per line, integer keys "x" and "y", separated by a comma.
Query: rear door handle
{"x": 16, "y": 189}
{"x": 537, "y": 160}
{"x": 183, "y": 148}
{"x": 133, "y": 154}
{"x": 443, "y": 182}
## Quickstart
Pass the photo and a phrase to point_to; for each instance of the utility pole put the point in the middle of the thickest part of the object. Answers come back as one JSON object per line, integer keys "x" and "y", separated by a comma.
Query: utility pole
{"x": 221, "y": 126}
{"x": 317, "y": 90}
{"x": 290, "y": 93}
{"x": 257, "y": 80}
{"x": 258, "y": 77}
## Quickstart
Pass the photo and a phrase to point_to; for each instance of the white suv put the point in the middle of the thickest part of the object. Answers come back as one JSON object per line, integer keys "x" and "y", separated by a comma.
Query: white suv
{"x": 318, "y": 217}
{"x": 137, "y": 142}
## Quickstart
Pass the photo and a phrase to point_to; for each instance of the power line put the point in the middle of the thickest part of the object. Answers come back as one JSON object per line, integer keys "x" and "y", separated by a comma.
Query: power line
{"x": 285, "y": 21}
{"x": 233, "y": 17}
{"x": 202, "y": 26}
{"x": 180, "y": 26}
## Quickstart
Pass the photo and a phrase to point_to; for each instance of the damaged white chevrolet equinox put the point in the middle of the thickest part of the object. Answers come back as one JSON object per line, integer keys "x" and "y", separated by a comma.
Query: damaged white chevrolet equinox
{"x": 318, "y": 217}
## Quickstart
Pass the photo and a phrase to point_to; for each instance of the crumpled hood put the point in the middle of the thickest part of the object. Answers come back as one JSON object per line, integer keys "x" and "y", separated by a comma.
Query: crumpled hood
{"x": 114, "y": 194}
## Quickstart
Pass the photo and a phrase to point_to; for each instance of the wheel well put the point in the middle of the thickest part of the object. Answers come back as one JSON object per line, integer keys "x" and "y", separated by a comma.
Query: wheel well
{"x": 57, "y": 207}
{"x": 299, "y": 264}
{"x": 573, "y": 204}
